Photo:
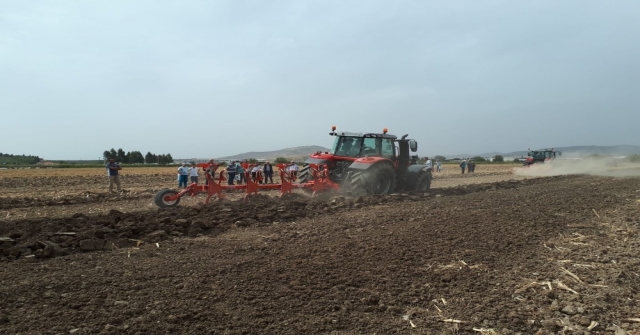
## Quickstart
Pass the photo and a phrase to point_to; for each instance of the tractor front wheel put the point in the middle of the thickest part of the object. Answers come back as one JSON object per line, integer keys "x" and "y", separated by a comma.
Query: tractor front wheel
{"x": 162, "y": 199}
{"x": 379, "y": 179}
{"x": 424, "y": 182}
{"x": 305, "y": 174}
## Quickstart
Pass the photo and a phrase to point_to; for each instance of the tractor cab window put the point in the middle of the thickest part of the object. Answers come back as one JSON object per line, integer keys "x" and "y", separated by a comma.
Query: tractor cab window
{"x": 537, "y": 155}
{"x": 387, "y": 148}
{"x": 347, "y": 146}
{"x": 370, "y": 147}
{"x": 548, "y": 154}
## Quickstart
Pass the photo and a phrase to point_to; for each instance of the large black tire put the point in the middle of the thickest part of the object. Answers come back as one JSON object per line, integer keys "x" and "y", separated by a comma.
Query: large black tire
{"x": 161, "y": 199}
{"x": 305, "y": 174}
{"x": 424, "y": 182}
{"x": 378, "y": 179}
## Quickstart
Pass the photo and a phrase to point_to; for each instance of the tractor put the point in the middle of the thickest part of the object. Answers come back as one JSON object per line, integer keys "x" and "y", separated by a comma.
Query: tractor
{"x": 377, "y": 163}
{"x": 540, "y": 156}
{"x": 370, "y": 162}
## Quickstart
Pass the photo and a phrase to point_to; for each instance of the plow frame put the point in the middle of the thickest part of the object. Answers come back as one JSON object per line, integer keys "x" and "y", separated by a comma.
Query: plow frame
{"x": 215, "y": 187}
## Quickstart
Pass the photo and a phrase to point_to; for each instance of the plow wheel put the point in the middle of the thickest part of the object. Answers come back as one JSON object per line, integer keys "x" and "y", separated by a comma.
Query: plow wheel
{"x": 305, "y": 174}
{"x": 424, "y": 182}
{"x": 162, "y": 199}
{"x": 379, "y": 179}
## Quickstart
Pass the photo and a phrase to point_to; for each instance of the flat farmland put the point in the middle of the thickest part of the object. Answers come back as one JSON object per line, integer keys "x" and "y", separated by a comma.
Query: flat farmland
{"x": 487, "y": 253}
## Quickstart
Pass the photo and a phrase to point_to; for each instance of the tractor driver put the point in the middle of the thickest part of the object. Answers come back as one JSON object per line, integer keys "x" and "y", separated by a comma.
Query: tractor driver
{"x": 355, "y": 149}
{"x": 345, "y": 147}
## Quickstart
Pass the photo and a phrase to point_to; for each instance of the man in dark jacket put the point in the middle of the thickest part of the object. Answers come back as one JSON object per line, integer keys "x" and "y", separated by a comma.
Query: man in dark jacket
{"x": 231, "y": 172}
{"x": 267, "y": 170}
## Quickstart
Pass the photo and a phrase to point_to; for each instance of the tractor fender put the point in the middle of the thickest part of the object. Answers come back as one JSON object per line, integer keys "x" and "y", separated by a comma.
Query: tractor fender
{"x": 413, "y": 173}
{"x": 316, "y": 161}
{"x": 365, "y": 163}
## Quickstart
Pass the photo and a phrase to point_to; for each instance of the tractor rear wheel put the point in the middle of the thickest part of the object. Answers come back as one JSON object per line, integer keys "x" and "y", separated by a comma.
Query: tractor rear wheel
{"x": 380, "y": 179}
{"x": 424, "y": 182}
{"x": 305, "y": 174}
{"x": 162, "y": 199}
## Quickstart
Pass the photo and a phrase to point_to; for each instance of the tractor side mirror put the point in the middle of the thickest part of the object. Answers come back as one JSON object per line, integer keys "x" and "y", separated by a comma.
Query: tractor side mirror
{"x": 413, "y": 145}
{"x": 529, "y": 153}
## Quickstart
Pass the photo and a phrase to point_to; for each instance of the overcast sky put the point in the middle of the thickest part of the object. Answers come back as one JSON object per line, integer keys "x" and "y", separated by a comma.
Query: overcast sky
{"x": 216, "y": 78}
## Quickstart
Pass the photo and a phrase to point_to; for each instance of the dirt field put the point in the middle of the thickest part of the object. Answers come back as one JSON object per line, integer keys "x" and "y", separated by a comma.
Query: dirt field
{"x": 490, "y": 253}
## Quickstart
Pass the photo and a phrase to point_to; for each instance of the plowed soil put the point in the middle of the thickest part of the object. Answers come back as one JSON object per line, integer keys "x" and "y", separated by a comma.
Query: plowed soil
{"x": 553, "y": 255}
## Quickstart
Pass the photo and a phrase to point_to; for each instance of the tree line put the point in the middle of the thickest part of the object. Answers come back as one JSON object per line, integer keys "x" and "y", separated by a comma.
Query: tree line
{"x": 18, "y": 159}
{"x": 136, "y": 157}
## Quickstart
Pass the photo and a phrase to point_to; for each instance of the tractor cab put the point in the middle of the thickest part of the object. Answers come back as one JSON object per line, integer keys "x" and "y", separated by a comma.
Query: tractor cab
{"x": 352, "y": 146}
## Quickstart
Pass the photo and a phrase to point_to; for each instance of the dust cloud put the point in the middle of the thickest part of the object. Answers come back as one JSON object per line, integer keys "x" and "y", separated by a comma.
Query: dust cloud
{"x": 589, "y": 166}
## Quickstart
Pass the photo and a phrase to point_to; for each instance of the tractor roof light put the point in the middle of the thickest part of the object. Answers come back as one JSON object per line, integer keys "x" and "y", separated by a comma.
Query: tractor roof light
{"x": 385, "y": 130}
{"x": 333, "y": 128}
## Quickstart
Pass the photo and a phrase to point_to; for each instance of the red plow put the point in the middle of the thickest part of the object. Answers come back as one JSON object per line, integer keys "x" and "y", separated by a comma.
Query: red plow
{"x": 216, "y": 187}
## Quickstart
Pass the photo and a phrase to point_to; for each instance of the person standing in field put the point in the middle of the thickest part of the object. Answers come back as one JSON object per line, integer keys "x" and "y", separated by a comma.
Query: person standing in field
{"x": 428, "y": 164}
{"x": 240, "y": 173}
{"x": 193, "y": 173}
{"x": 231, "y": 172}
{"x": 293, "y": 170}
{"x": 463, "y": 165}
{"x": 255, "y": 175}
{"x": 183, "y": 175}
{"x": 267, "y": 170}
{"x": 438, "y": 166}
{"x": 114, "y": 177}
{"x": 211, "y": 171}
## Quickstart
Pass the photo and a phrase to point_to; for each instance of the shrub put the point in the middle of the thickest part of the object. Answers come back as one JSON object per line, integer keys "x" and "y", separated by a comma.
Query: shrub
{"x": 498, "y": 158}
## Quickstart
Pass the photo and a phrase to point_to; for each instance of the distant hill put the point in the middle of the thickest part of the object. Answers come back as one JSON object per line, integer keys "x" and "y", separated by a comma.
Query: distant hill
{"x": 295, "y": 152}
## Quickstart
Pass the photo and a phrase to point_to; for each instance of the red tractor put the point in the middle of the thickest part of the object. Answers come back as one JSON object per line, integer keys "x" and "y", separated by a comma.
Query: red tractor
{"x": 377, "y": 163}
{"x": 374, "y": 163}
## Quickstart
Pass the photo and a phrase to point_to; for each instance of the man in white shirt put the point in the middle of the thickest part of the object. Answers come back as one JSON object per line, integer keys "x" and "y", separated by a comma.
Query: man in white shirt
{"x": 428, "y": 165}
{"x": 256, "y": 174}
{"x": 293, "y": 169}
{"x": 183, "y": 173}
{"x": 193, "y": 173}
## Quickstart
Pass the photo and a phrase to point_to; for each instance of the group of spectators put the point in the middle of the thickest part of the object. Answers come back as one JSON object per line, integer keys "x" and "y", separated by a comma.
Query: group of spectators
{"x": 260, "y": 173}
{"x": 185, "y": 172}
{"x": 470, "y": 166}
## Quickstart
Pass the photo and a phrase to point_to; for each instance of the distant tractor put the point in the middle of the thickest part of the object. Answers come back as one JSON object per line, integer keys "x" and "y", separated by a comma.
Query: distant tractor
{"x": 540, "y": 156}
{"x": 377, "y": 163}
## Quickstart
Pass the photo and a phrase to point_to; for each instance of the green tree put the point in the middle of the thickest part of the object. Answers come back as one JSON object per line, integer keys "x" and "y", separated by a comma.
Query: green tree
{"x": 150, "y": 158}
{"x": 498, "y": 158}
{"x": 252, "y": 160}
{"x": 440, "y": 158}
{"x": 113, "y": 154}
{"x": 634, "y": 158}
{"x": 121, "y": 156}
{"x": 478, "y": 159}
{"x": 281, "y": 160}
{"x": 135, "y": 157}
